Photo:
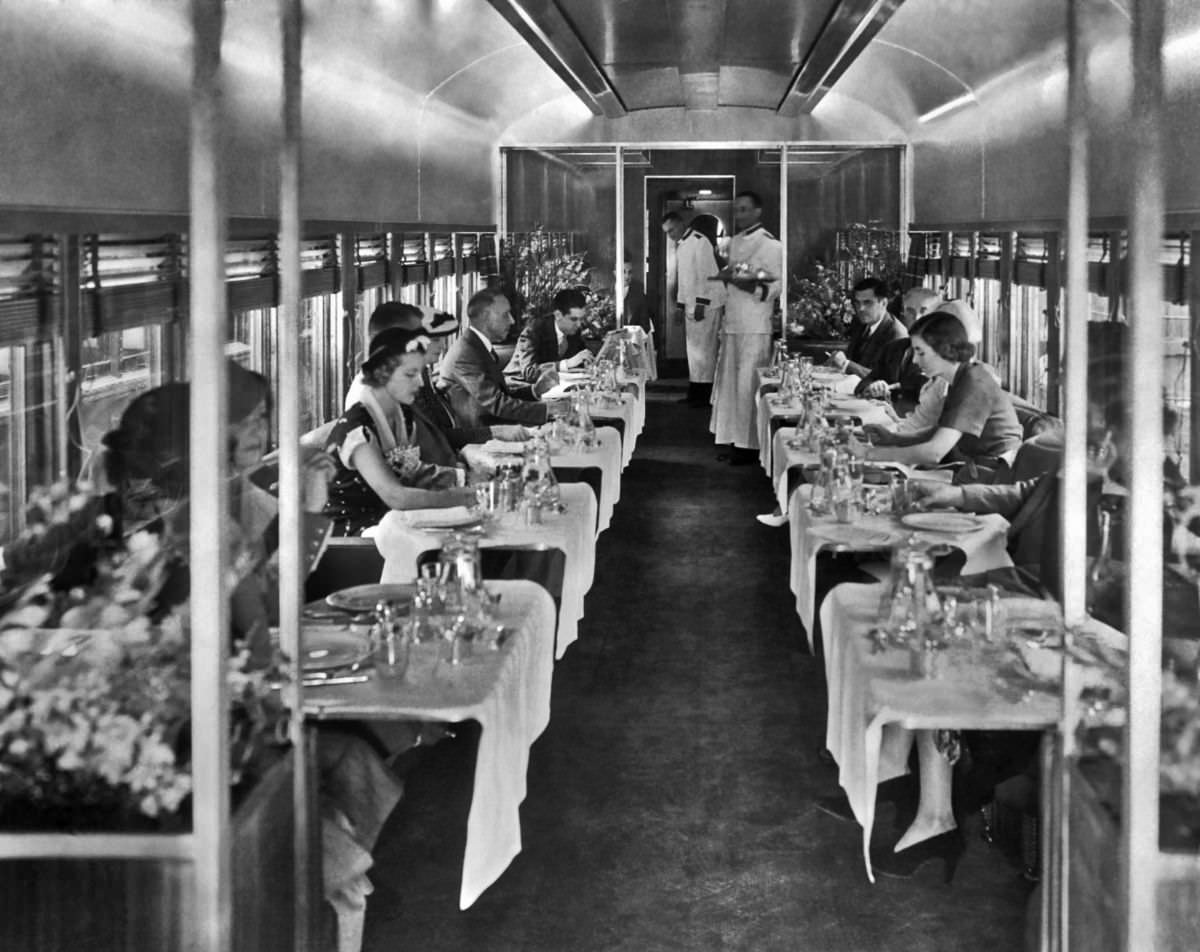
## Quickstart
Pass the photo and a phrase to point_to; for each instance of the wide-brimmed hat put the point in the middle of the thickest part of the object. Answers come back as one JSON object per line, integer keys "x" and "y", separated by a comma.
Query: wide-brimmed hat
{"x": 437, "y": 323}
{"x": 395, "y": 341}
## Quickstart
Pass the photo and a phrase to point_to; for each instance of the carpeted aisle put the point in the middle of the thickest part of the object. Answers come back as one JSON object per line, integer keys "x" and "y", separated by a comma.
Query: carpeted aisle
{"x": 669, "y": 799}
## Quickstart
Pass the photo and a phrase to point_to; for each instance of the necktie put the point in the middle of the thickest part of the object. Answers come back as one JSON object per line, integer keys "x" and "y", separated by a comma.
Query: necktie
{"x": 562, "y": 348}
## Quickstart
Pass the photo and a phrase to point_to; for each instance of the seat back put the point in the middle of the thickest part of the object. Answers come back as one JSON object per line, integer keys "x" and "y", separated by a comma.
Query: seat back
{"x": 348, "y": 560}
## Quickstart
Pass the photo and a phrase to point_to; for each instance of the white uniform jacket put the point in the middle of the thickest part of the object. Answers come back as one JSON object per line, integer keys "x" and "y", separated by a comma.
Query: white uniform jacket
{"x": 695, "y": 265}
{"x": 750, "y": 312}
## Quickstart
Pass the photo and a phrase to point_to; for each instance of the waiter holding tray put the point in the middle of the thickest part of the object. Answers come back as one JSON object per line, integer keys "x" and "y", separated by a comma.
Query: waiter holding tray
{"x": 756, "y": 262}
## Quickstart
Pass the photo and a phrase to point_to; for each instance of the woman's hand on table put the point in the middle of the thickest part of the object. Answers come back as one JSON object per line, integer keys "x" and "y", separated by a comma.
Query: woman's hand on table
{"x": 877, "y": 434}
{"x": 931, "y": 495}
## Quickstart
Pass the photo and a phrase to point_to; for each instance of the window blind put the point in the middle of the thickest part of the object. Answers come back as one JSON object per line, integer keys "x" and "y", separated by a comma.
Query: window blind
{"x": 989, "y": 253}
{"x": 131, "y": 280}
{"x": 371, "y": 260}
{"x": 443, "y": 255}
{"x": 252, "y": 273}
{"x": 1029, "y": 266}
{"x": 469, "y": 252}
{"x": 413, "y": 266}
{"x": 30, "y": 289}
{"x": 320, "y": 271}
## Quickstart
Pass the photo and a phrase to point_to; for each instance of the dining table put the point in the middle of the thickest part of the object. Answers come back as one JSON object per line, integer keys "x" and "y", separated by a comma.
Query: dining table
{"x": 983, "y": 544}
{"x": 773, "y": 410}
{"x": 605, "y": 456}
{"x": 1011, "y": 681}
{"x": 401, "y": 538}
{"x": 506, "y": 689}
{"x": 628, "y": 406}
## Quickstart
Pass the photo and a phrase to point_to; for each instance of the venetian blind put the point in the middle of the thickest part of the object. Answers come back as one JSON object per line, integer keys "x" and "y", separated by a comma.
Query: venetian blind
{"x": 30, "y": 289}
{"x": 131, "y": 281}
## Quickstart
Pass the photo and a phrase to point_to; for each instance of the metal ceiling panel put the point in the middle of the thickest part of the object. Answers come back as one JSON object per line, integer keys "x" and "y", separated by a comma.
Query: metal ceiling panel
{"x": 700, "y": 90}
{"x": 623, "y": 32}
{"x": 648, "y": 87}
{"x": 774, "y": 31}
{"x": 753, "y": 86}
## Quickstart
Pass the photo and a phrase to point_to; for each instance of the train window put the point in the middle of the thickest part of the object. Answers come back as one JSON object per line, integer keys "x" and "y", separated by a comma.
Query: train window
{"x": 986, "y": 297}
{"x": 115, "y": 368}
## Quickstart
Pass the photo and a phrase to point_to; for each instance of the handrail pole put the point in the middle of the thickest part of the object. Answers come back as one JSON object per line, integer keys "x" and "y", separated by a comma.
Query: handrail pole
{"x": 619, "y": 244}
{"x": 208, "y": 489}
{"x": 291, "y": 553}
{"x": 1144, "y": 601}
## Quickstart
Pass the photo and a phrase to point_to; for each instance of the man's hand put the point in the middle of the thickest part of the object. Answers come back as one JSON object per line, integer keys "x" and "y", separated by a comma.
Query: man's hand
{"x": 512, "y": 433}
{"x": 478, "y": 459}
{"x": 837, "y": 360}
{"x": 547, "y": 380}
{"x": 879, "y": 389}
{"x": 931, "y": 495}
{"x": 582, "y": 359}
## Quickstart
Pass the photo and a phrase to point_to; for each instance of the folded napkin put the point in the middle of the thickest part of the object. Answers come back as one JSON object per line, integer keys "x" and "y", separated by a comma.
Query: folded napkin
{"x": 437, "y": 518}
{"x": 503, "y": 446}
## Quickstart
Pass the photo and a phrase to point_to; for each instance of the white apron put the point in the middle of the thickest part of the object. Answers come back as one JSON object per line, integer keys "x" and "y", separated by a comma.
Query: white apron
{"x": 696, "y": 267}
{"x": 745, "y": 342}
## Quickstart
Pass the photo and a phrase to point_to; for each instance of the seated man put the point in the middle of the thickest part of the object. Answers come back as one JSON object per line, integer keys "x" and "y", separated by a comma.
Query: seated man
{"x": 475, "y": 383}
{"x": 873, "y": 330}
{"x": 895, "y": 375}
{"x": 552, "y": 342}
{"x": 918, "y": 302}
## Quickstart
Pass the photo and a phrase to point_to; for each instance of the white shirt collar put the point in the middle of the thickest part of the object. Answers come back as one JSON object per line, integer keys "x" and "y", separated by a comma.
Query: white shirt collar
{"x": 558, "y": 333}
{"x": 483, "y": 337}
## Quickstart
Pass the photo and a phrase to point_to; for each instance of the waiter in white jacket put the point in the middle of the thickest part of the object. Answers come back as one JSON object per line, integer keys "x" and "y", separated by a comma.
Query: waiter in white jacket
{"x": 756, "y": 264}
{"x": 700, "y": 296}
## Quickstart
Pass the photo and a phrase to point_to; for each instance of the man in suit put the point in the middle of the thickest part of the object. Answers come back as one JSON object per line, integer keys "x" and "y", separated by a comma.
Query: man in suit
{"x": 872, "y": 332}
{"x": 552, "y": 342}
{"x": 474, "y": 380}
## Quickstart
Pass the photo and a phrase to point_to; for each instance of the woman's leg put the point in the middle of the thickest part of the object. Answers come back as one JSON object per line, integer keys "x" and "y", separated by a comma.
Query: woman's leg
{"x": 935, "y": 811}
{"x": 894, "y": 748}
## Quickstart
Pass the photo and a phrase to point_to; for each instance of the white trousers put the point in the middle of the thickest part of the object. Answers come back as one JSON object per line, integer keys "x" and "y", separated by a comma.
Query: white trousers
{"x": 702, "y": 339}
{"x": 733, "y": 389}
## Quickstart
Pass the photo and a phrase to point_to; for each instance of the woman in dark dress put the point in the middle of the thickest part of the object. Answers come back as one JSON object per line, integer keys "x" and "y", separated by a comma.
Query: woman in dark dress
{"x": 375, "y": 444}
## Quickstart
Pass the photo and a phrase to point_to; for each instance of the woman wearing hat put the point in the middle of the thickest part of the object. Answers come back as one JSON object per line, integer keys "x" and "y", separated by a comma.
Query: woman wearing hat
{"x": 376, "y": 444}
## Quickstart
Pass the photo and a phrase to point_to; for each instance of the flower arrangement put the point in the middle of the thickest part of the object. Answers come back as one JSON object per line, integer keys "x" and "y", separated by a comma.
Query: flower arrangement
{"x": 819, "y": 305}
{"x": 535, "y": 270}
{"x": 95, "y": 683}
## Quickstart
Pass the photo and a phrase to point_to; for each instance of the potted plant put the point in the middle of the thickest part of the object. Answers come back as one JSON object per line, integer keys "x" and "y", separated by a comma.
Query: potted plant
{"x": 819, "y": 312}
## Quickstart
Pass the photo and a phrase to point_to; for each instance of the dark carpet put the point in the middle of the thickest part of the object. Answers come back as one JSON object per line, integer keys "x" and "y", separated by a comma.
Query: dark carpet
{"x": 669, "y": 801}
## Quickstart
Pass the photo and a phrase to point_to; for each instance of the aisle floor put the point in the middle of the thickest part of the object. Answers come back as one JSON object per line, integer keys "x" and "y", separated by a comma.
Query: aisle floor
{"x": 669, "y": 803}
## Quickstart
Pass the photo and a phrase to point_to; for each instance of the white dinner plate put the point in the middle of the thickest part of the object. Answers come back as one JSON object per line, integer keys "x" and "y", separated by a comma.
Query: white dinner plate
{"x": 324, "y": 648}
{"x": 942, "y": 521}
{"x": 455, "y": 517}
{"x": 364, "y": 598}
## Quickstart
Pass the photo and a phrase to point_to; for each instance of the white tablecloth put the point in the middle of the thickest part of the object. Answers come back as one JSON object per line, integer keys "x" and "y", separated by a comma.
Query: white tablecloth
{"x": 632, "y": 411}
{"x": 573, "y": 531}
{"x": 984, "y": 548}
{"x": 507, "y": 691}
{"x": 868, "y": 691}
{"x": 770, "y": 406}
{"x": 606, "y": 456}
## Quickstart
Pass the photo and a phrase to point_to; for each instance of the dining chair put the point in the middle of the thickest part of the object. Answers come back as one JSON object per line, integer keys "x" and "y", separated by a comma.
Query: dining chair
{"x": 348, "y": 560}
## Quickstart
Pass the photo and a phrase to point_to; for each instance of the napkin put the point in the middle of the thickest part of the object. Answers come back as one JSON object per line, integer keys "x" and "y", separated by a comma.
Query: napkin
{"x": 504, "y": 446}
{"x": 437, "y": 518}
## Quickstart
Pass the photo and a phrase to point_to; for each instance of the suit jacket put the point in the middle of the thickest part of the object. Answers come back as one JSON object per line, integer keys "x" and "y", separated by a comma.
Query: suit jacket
{"x": 433, "y": 404}
{"x": 478, "y": 391}
{"x": 537, "y": 345}
{"x": 895, "y": 365}
{"x": 636, "y": 311}
{"x": 865, "y": 351}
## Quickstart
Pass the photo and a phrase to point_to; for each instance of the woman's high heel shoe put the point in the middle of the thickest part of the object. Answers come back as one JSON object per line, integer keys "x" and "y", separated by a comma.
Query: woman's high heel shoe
{"x": 948, "y": 847}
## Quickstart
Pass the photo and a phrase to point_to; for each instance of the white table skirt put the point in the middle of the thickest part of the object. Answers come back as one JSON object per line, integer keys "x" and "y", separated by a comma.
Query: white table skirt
{"x": 606, "y": 456}
{"x": 984, "y": 548}
{"x": 574, "y": 531}
{"x": 507, "y": 691}
{"x": 868, "y": 691}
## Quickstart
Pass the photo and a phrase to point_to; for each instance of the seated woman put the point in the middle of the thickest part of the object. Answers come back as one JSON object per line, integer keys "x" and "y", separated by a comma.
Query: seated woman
{"x": 977, "y": 421}
{"x": 146, "y": 463}
{"x": 376, "y": 444}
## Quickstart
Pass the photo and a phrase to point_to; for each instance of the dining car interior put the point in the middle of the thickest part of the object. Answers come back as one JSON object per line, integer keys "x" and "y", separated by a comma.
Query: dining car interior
{"x": 566, "y": 475}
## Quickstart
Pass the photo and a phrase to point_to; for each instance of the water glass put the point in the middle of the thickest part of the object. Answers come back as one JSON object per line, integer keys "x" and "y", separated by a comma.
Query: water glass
{"x": 901, "y": 499}
{"x": 390, "y": 653}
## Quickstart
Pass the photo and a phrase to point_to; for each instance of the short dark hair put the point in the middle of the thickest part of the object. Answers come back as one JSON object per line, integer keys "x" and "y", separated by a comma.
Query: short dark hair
{"x": 481, "y": 301}
{"x": 755, "y": 198}
{"x": 393, "y": 314}
{"x": 387, "y": 349}
{"x": 569, "y": 298}
{"x": 945, "y": 335}
{"x": 670, "y": 217}
{"x": 875, "y": 285}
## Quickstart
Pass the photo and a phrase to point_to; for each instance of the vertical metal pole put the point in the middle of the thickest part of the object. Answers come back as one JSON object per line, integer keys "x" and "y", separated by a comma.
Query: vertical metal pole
{"x": 1054, "y": 316}
{"x": 1139, "y": 833}
{"x": 208, "y": 489}
{"x": 783, "y": 239}
{"x": 619, "y": 245}
{"x": 1073, "y": 510}
{"x": 291, "y": 552}
{"x": 1193, "y": 297}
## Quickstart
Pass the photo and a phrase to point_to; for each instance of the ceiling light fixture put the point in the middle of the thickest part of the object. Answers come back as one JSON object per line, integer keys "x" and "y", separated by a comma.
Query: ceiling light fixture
{"x": 704, "y": 191}
{"x": 957, "y": 103}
